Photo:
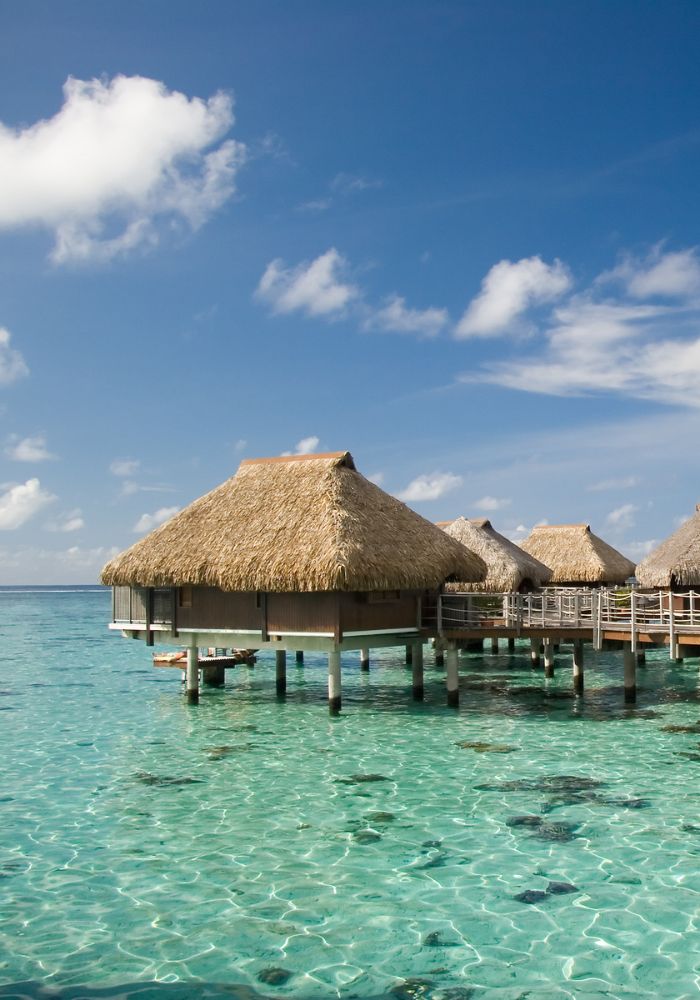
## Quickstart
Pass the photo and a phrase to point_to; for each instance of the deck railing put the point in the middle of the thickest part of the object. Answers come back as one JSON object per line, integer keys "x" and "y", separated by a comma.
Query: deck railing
{"x": 622, "y": 609}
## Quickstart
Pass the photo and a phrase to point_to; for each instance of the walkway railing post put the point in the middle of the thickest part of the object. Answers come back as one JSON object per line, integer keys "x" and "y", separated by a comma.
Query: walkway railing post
{"x": 633, "y": 623}
{"x": 671, "y": 628}
{"x": 439, "y": 614}
{"x": 601, "y": 601}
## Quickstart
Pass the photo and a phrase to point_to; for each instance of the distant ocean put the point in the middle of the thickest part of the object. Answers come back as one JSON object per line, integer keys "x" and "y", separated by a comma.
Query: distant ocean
{"x": 528, "y": 844}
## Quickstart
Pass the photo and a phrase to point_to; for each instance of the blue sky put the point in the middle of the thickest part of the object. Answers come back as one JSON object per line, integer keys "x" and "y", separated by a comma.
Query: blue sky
{"x": 457, "y": 239}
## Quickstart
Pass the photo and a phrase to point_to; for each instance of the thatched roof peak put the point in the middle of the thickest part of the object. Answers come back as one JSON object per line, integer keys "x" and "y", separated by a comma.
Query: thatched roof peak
{"x": 296, "y": 523}
{"x": 576, "y": 555}
{"x": 342, "y": 457}
{"x": 676, "y": 561}
{"x": 509, "y": 567}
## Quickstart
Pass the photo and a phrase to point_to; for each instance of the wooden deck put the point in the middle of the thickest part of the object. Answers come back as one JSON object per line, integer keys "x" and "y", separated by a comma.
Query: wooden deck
{"x": 637, "y": 618}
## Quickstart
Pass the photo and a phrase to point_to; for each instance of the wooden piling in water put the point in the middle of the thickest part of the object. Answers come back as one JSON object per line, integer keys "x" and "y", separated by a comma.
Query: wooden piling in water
{"x": 192, "y": 678}
{"x": 334, "y": 691}
{"x": 534, "y": 653}
{"x": 630, "y": 674}
{"x": 364, "y": 659}
{"x": 281, "y": 672}
{"x": 577, "y": 667}
{"x": 549, "y": 648}
{"x": 418, "y": 684}
{"x": 452, "y": 677}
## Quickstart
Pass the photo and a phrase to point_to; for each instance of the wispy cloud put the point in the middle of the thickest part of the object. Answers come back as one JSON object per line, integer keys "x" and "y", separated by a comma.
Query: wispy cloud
{"x": 312, "y": 287}
{"x": 147, "y": 522}
{"x": 124, "y": 466}
{"x": 307, "y": 446}
{"x": 346, "y": 184}
{"x": 29, "y": 449}
{"x": 430, "y": 487}
{"x": 18, "y": 504}
{"x": 131, "y": 488}
{"x": 623, "y": 483}
{"x": 12, "y": 364}
{"x": 622, "y": 517}
{"x": 618, "y": 345}
{"x": 492, "y": 503}
{"x": 395, "y": 317}
{"x": 508, "y": 290}
{"x": 71, "y": 520}
{"x": 117, "y": 157}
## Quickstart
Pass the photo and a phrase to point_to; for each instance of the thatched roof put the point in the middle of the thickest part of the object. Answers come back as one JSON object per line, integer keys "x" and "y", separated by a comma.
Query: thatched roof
{"x": 676, "y": 562}
{"x": 576, "y": 555}
{"x": 298, "y": 523}
{"x": 507, "y": 564}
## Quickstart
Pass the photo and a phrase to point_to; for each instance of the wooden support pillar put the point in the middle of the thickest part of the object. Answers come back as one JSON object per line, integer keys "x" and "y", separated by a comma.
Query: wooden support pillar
{"x": 630, "y": 665}
{"x": 511, "y": 645}
{"x": 281, "y": 672}
{"x": 418, "y": 688}
{"x": 299, "y": 657}
{"x": 534, "y": 653}
{"x": 192, "y": 680}
{"x": 676, "y": 652}
{"x": 213, "y": 676}
{"x": 334, "y": 699}
{"x": 452, "y": 664}
{"x": 641, "y": 659}
{"x": 494, "y": 645}
{"x": 409, "y": 654}
{"x": 364, "y": 660}
{"x": 578, "y": 667}
{"x": 548, "y": 658}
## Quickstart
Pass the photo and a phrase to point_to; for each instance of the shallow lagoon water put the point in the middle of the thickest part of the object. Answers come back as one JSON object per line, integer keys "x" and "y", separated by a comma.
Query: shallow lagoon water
{"x": 528, "y": 844}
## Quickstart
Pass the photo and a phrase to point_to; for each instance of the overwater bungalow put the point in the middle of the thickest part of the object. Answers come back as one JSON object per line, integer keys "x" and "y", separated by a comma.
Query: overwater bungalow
{"x": 292, "y": 553}
{"x": 577, "y": 557}
{"x": 509, "y": 568}
{"x": 675, "y": 563}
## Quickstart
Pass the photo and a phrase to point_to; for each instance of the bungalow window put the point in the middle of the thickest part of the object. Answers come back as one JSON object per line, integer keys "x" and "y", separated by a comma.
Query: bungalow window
{"x": 383, "y": 596}
{"x": 185, "y": 597}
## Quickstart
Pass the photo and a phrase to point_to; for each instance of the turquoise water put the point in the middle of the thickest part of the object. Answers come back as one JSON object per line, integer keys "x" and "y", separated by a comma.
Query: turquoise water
{"x": 237, "y": 848}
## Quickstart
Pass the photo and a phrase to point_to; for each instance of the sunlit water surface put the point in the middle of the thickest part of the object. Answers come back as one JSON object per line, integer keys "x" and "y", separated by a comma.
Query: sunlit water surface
{"x": 247, "y": 846}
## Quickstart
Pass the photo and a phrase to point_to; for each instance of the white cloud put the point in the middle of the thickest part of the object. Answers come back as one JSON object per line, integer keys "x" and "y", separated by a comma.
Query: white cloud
{"x": 622, "y": 517}
{"x": 307, "y": 446}
{"x": 33, "y": 565}
{"x": 72, "y": 520}
{"x": 240, "y": 445}
{"x": 147, "y": 522}
{"x": 124, "y": 466}
{"x": 118, "y": 156}
{"x": 130, "y": 488}
{"x": 395, "y": 317}
{"x": 12, "y": 364}
{"x": 623, "y": 483}
{"x": 430, "y": 487}
{"x": 30, "y": 449}
{"x": 377, "y": 478}
{"x": 492, "y": 503}
{"x": 508, "y": 290}
{"x": 20, "y": 503}
{"x": 637, "y": 551}
{"x": 675, "y": 274}
{"x": 346, "y": 184}
{"x": 314, "y": 288}
{"x": 316, "y": 205}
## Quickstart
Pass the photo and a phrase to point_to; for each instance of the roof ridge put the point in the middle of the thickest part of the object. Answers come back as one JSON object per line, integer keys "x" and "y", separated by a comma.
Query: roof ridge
{"x": 301, "y": 458}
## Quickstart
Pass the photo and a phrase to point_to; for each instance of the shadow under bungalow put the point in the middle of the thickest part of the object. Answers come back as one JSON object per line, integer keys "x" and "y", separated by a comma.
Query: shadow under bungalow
{"x": 293, "y": 553}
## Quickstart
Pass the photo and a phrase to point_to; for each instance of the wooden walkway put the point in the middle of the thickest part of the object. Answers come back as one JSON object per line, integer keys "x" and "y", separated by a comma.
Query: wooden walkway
{"x": 633, "y": 617}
